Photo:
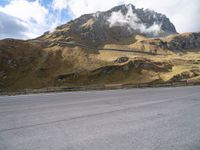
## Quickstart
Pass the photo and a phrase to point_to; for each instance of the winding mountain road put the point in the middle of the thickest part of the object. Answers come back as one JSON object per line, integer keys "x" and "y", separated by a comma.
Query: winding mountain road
{"x": 72, "y": 43}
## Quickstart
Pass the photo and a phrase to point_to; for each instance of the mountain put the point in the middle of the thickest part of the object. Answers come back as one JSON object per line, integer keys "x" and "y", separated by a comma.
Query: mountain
{"x": 123, "y": 45}
{"x": 112, "y": 26}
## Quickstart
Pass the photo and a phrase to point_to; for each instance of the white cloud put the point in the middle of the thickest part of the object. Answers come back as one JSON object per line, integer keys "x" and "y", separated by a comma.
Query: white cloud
{"x": 80, "y": 7}
{"x": 24, "y": 10}
{"x": 31, "y": 15}
{"x": 59, "y": 4}
{"x": 133, "y": 22}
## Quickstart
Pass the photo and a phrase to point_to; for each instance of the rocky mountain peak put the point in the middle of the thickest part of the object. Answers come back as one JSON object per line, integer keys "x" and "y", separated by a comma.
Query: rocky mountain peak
{"x": 120, "y": 22}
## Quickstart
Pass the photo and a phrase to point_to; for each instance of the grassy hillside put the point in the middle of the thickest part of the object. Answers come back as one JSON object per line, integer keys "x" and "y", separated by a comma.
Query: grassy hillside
{"x": 25, "y": 64}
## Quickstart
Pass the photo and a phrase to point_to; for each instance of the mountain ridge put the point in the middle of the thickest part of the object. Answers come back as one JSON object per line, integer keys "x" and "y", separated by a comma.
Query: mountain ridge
{"x": 124, "y": 21}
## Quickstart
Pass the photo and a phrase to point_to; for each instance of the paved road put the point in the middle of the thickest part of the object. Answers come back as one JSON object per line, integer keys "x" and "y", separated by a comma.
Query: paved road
{"x": 136, "y": 119}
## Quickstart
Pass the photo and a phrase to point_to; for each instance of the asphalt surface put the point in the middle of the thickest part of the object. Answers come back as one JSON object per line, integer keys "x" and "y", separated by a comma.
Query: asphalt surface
{"x": 135, "y": 119}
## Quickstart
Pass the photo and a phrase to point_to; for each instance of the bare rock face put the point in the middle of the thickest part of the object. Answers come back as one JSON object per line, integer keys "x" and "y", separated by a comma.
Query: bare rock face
{"x": 120, "y": 22}
{"x": 183, "y": 41}
{"x": 121, "y": 60}
{"x": 185, "y": 75}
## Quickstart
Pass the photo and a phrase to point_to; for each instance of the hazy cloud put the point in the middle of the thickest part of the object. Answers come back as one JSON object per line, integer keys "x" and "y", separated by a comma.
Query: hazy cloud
{"x": 11, "y": 27}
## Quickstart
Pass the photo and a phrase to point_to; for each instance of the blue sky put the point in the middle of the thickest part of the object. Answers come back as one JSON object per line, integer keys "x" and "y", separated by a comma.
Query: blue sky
{"x": 27, "y": 19}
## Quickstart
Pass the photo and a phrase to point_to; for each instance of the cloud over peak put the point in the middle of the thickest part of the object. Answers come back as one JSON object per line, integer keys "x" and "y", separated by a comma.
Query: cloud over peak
{"x": 132, "y": 21}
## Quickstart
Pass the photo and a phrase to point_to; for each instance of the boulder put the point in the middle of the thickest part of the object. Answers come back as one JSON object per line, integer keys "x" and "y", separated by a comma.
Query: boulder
{"x": 121, "y": 60}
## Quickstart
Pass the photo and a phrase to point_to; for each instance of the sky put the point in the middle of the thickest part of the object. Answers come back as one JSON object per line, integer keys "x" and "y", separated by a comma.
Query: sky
{"x": 26, "y": 19}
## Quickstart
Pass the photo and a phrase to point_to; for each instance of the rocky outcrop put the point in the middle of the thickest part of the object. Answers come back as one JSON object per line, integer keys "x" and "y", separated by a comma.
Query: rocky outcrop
{"x": 121, "y": 60}
{"x": 185, "y": 75}
{"x": 131, "y": 66}
{"x": 183, "y": 41}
